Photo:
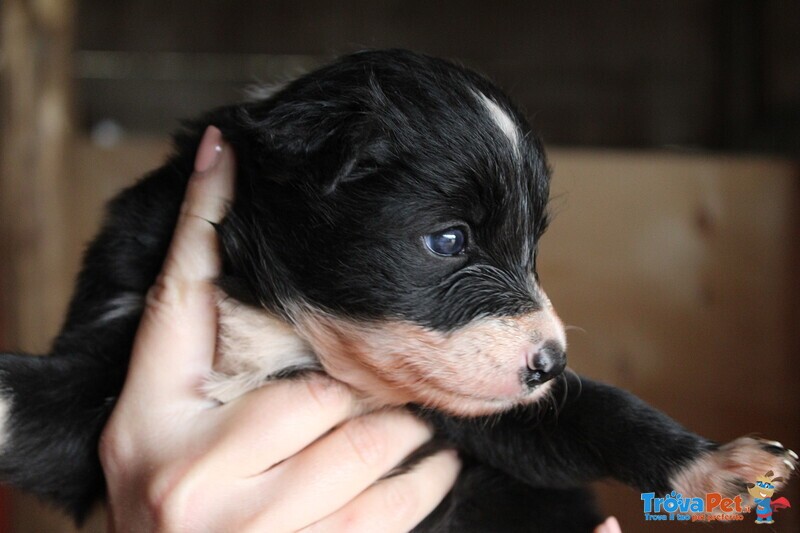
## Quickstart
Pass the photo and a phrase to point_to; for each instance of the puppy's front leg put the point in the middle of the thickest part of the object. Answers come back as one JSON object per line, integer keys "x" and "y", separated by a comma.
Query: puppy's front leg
{"x": 599, "y": 431}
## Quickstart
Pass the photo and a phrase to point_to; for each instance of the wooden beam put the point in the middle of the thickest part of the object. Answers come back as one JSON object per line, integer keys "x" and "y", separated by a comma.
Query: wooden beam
{"x": 36, "y": 39}
{"x": 35, "y": 102}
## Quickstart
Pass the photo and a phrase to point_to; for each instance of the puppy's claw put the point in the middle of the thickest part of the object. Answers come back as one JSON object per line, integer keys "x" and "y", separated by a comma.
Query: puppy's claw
{"x": 730, "y": 467}
{"x": 774, "y": 447}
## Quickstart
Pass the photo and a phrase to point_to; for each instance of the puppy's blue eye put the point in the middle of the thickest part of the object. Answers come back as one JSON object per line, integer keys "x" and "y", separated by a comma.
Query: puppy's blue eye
{"x": 448, "y": 242}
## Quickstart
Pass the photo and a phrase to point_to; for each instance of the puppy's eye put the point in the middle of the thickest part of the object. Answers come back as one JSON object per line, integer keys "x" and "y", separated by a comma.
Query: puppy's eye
{"x": 448, "y": 242}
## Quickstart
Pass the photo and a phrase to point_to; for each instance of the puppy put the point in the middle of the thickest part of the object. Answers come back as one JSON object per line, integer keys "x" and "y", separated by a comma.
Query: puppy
{"x": 385, "y": 230}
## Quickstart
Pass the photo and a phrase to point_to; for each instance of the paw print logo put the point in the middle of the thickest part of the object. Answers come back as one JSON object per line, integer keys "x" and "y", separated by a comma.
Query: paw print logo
{"x": 762, "y": 491}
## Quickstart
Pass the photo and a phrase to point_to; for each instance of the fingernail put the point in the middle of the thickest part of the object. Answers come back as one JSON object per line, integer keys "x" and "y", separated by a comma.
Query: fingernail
{"x": 209, "y": 150}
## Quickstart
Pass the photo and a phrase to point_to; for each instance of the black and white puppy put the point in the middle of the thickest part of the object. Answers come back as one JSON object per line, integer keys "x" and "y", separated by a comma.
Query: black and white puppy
{"x": 385, "y": 230}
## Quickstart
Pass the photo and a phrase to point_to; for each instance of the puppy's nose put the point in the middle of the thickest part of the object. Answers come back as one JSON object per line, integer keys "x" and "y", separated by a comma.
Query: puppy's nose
{"x": 545, "y": 363}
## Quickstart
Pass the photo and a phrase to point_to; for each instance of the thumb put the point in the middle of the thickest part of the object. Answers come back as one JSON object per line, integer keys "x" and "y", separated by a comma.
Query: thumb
{"x": 175, "y": 344}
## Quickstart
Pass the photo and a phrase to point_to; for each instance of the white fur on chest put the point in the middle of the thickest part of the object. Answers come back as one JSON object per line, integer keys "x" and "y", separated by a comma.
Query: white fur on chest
{"x": 253, "y": 347}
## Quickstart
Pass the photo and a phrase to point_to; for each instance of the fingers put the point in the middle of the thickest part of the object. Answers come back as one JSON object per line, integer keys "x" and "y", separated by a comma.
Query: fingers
{"x": 342, "y": 464}
{"x": 273, "y": 423}
{"x": 193, "y": 252}
{"x": 397, "y": 503}
{"x": 176, "y": 341}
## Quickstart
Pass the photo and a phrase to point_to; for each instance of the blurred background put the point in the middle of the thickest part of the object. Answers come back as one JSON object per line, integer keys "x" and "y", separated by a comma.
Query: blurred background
{"x": 673, "y": 129}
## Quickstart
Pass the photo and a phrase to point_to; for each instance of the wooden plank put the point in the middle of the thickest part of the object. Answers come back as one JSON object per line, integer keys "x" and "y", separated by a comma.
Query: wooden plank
{"x": 35, "y": 105}
{"x": 36, "y": 79}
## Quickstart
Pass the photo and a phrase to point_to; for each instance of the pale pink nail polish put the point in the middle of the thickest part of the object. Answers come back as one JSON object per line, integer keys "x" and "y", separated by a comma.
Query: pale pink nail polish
{"x": 209, "y": 150}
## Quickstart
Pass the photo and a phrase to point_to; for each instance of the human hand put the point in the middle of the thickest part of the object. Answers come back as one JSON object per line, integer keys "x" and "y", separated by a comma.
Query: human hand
{"x": 285, "y": 457}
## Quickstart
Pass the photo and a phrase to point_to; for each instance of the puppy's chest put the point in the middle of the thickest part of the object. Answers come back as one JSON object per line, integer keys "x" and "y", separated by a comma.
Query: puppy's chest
{"x": 253, "y": 347}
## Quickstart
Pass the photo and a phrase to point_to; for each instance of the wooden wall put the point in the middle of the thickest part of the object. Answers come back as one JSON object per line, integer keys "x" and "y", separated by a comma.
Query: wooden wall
{"x": 681, "y": 271}
{"x": 699, "y": 73}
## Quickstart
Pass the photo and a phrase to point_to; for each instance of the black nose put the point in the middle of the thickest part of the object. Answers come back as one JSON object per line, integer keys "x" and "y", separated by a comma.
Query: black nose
{"x": 544, "y": 364}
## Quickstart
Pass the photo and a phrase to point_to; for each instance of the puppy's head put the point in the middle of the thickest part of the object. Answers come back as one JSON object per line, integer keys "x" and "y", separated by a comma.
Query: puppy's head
{"x": 390, "y": 206}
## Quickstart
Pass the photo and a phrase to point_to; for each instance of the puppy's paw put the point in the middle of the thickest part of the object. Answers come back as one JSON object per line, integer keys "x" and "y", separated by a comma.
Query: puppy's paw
{"x": 728, "y": 469}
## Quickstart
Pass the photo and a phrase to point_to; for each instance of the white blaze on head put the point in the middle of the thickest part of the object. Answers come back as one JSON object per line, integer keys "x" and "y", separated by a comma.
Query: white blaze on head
{"x": 503, "y": 121}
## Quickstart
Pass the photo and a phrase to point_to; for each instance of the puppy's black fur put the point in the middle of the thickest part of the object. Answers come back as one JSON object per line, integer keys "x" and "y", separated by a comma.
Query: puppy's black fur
{"x": 339, "y": 176}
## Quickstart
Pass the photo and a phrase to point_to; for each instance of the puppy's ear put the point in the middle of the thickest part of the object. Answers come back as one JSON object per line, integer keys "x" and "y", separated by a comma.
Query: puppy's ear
{"x": 342, "y": 155}
{"x": 312, "y": 141}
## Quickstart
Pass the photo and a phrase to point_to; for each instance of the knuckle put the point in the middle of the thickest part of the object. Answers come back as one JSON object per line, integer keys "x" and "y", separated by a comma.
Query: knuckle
{"x": 110, "y": 453}
{"x": 165, "y": 293}
{"x": 400, "y": 496}
{"x": 327, "y": 393}
{"x": 171, "y": 294}
{"x": 168, "y": 503}
{"x": 116, "y": 450}
{"x": 366, "y": 439}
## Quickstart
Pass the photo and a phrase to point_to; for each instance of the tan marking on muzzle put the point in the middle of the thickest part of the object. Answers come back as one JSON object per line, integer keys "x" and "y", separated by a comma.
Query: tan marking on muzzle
{"x": 473, "y": 370}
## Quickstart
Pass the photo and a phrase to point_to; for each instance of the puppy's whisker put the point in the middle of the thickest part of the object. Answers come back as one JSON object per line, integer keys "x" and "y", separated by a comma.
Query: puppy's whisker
{"x": 576, "y": 377}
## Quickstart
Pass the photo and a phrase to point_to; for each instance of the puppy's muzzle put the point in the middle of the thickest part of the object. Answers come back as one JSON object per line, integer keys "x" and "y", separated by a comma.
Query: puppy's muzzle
{"x": 544, "y": 363}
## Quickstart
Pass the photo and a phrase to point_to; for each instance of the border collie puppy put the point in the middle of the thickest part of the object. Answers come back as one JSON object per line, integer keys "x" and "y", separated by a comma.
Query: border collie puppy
{"x": 385, "y": 230}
